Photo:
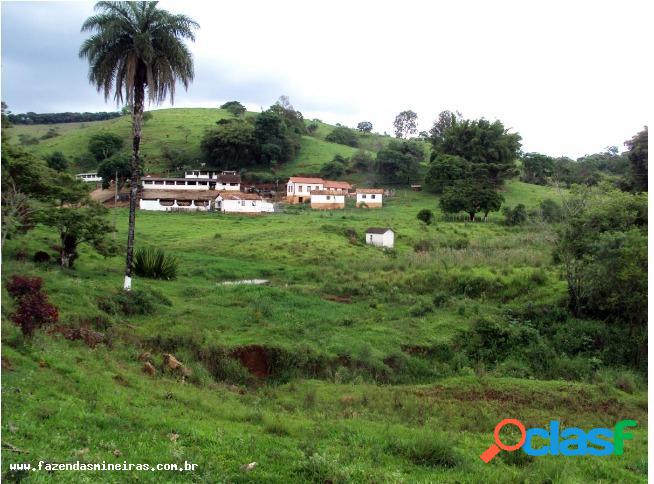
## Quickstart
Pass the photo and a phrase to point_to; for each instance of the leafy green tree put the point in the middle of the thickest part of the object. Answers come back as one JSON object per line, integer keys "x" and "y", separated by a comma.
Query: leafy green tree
{"x": 637, "y": 155}
{"x": 5, "y": 116}
{"x": 399, "y": 161}
{"x": 136, "y": 47}
{"x": 488, "y": 147}
{"x": 537, "y": 168}
{"x": 405, "y": 124}
{"x": 446, "y": 119}
{"x": 105, "y": 145}
{"x": 230, "y": 146}
{"x": 57, "y": 161}
{"x": 234, "y": 107}
{"x": 118, "y": 169}
{"x": 602, "y": 245}
{"x": 82, "y": 223}
{"x": 275, "y": 142}
{"x": 550, "y": 211}
{"x": 335, "y": 168}
{"x": 470, "y": 197}
{"x": 445, "y": 170}
{"x": 516, "y": 215}
{"x": 365, "y": 126}
{"x": 426, "y": 216}
{"x": 343, "y": 136}
{"x": 362, "y": 162}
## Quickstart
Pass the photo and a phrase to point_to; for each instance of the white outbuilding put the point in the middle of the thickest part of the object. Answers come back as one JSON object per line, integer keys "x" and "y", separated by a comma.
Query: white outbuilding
{"x": 245, "y": 203}
{"x": 328, "y": 199}
{"x": 370, "y": 197}
{"x": 380, "y": 236}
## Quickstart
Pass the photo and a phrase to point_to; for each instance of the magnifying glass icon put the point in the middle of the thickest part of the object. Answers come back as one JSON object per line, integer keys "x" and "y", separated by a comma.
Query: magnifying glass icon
{"x": 495, "y": 448}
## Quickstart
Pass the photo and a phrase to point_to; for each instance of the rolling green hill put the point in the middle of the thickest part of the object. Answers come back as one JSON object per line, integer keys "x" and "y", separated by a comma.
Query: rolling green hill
{"x": 181, "y": 128}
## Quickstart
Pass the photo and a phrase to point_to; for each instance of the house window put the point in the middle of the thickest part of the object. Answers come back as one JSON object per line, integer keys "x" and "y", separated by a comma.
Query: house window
{"x": 192, "y": 183}
{"x": 242, "y": 203}
{"x": 370, "y": 238}
{"x": 329, "y": 197}
{"x": 290, "y": 188}
{"x": 372, "y": 196}
{"x": 299, "y": 188}
{"x": 363, "y": 196}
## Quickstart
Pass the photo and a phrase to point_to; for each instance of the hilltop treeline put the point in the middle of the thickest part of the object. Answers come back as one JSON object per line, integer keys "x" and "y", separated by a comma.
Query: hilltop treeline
{"x": 55, "y": 118}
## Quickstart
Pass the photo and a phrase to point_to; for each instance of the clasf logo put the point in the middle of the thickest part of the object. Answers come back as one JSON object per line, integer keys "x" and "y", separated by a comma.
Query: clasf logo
{"x": 569, "y": 442}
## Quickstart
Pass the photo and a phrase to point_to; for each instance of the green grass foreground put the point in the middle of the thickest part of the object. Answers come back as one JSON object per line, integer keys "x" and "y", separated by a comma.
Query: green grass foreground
{"x": 329, "y": 300}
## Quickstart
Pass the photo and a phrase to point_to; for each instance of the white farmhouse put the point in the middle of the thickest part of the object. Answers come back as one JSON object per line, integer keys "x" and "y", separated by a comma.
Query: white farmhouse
{"x": 208, "y": 175}
{"x": 150, "y": 183}
{"x": 228, "y": 181}
{"x": 370, "y": 197}
{"x": 89, "y": 177}
{"x": 298, "y": 188}
{"x": 178, "y": 200}
{"x": 327, "y": 199}
{"x": 380, "y": 236}
{"x": 245, "y": 203}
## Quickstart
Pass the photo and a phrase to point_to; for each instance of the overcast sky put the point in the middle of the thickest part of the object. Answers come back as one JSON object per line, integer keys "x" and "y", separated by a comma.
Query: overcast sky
{"x": 571, "y": 77}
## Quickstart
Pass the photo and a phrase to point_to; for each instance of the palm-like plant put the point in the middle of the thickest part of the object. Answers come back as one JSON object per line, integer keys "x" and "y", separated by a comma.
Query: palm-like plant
{"x": 136, "y": 47}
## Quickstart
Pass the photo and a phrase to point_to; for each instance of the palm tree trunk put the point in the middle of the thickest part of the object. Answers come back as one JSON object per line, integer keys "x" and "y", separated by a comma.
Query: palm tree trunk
{"x": 137, "y": 120}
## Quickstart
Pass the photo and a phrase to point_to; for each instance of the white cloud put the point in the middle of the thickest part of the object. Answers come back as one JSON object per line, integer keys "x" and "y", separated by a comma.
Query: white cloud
{"x": 570, "y": 77}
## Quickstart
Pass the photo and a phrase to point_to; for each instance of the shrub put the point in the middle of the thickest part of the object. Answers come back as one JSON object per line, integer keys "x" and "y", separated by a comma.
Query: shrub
{"x": 551, "y": 211}
{"x": 343, "y": 136}
{"x": 425, "y": 215}
{"x": 515, "y": 216}
{"x": 155, "y": 264}
{"x": 430, "y": 451}
{"x": 41, "y": 257}
{"x": 423, "y": 246}
{"x": 133, "y": 302}
{"x": 34, "y": 310}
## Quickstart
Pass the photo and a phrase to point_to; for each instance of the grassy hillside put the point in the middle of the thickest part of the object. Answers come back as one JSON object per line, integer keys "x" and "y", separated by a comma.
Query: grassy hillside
{"x": 181, "y": 128}
{"x": 353, "y": 387}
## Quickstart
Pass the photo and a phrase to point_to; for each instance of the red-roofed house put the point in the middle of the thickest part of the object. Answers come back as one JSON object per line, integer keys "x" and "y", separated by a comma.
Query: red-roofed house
{"x": 299, "y": 188}
{"x": 337, "y": 186}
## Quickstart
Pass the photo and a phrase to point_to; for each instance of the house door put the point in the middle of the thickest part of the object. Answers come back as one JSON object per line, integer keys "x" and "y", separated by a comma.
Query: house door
{"x": 301, "y": 199}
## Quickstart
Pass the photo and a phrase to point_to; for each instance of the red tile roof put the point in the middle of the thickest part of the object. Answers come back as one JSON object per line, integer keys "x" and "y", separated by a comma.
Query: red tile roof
{"x": 239, "y": 196}
{"x": 337, "y": 184}
{"x": 302, "y": 179}
{"x": 329, "y": 192}
{"x": 370, "y": 190}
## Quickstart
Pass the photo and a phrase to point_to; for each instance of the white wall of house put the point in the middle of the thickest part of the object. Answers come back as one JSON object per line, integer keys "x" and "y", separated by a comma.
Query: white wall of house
{"x": 297, "y": 189}
{"x": 200, "y": 174}
{"x": 327, "y": 199}
{"x": 228, "y": 187}
{"x": 159, "y": 206}
{"x": 190, "y": 184}
{"x": 368, "y": 198}
{"x": 386, "y": 239}
{"x": 89, "y": 177}
{"x": 243, "y": 206}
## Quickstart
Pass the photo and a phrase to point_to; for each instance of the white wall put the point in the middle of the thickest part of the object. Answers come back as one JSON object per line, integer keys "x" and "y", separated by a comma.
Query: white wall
{"x": 381, "y": 240}
{"x": 369, "y": 198}
{"x": 327, "y": 198}
{"x": 293, "y": 189}
{"x": 228, "y": 187}
{"x": 154, "y": 205}
{"x": 176, "y": 185}
{"x": 245, "y": 206}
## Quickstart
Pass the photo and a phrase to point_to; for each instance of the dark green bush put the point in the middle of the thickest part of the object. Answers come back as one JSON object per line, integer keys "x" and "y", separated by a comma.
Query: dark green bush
{"x": 429, "y": 451}
{"x": 426, "y": 216}
{"x": 515, "y": 216}
{"x": 155, "y": 264}
{"x": 134, "y": 302}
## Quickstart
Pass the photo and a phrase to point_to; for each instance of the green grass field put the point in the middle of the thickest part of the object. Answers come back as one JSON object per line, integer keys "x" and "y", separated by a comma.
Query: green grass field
{"x": 348, "y": 399}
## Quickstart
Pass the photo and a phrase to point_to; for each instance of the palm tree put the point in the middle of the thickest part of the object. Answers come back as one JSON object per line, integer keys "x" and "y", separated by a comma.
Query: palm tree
{"x": 136, "y": 47}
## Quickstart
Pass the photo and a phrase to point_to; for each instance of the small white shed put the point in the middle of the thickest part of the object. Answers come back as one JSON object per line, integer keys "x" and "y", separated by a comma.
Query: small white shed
{"x": 380, "y": 236}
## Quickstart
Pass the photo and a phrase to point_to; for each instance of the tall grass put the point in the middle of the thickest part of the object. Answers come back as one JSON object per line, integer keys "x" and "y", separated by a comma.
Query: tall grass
{"x": 155, "y": 264}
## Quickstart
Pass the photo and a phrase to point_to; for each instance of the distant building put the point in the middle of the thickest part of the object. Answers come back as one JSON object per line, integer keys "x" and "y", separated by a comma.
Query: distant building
{"x": 380, "y": 237}
{"x": 228, "y": 181}
{"x": 201, "y": 174}
{"x": 246, "y": 203}
{"x": 178, "y": 200}
{"x": 298, "y": 188}
{"x": 337, "y": 185}
{"x": 370, "y": 197}
{"x": 328, "y": 199}
{"x": 151, "y": 183}
{"x": 89, "y": 177}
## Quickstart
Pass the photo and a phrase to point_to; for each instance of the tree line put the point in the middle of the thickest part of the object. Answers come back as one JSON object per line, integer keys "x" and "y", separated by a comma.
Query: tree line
{"x": 56, "y": 118}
